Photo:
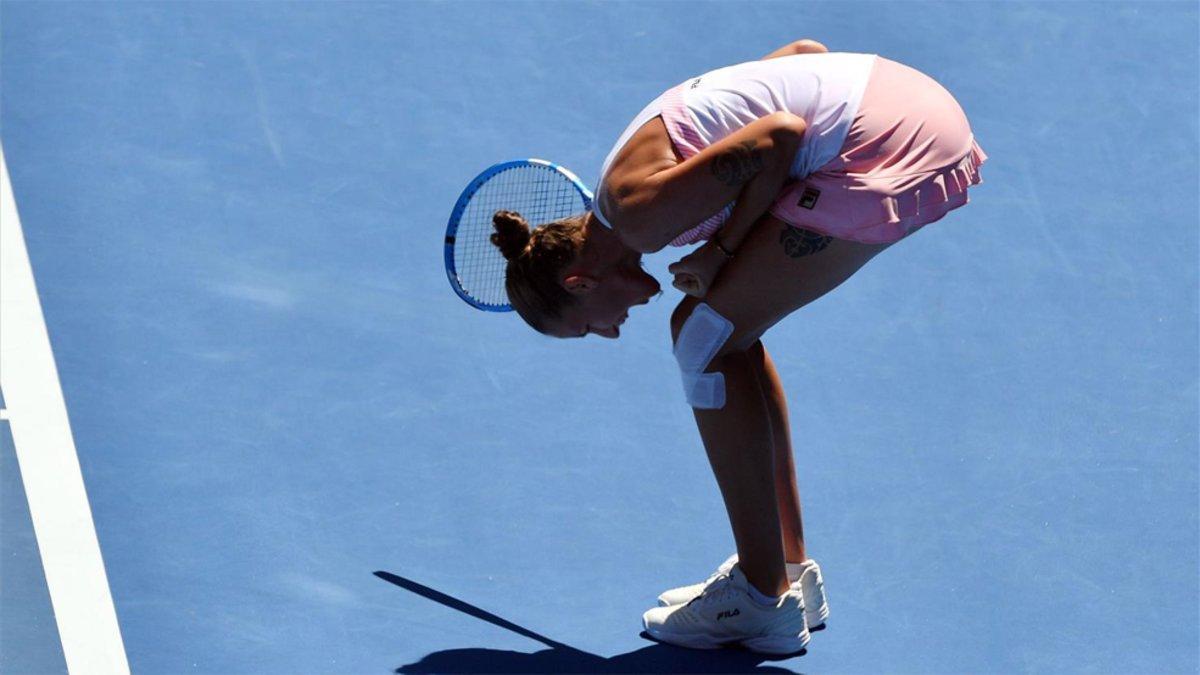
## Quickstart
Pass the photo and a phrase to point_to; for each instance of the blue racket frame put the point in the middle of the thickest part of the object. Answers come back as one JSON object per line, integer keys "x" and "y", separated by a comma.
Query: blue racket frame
{"x": 461, "y": 204}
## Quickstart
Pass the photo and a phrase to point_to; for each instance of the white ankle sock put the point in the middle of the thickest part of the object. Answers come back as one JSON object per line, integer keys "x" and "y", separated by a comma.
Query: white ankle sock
{"x": 764, "y": 600}
{"x": 794, "y": 570}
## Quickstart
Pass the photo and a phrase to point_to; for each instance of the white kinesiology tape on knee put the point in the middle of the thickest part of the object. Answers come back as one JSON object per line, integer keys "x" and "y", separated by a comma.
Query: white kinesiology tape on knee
{"x": 699, "y": 341}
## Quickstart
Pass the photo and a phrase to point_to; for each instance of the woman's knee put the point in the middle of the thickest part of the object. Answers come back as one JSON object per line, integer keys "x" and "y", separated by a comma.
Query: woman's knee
{"x": 732, "y": 357}
{"x": 738, "y": 341}
{"x": 737, "y": 347}
{"x": 682, "y": 311}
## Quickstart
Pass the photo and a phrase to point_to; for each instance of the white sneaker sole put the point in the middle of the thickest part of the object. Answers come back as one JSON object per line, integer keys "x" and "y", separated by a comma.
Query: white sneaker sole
{"x": 815, "y": 620}
{"x": 776, "y": 645}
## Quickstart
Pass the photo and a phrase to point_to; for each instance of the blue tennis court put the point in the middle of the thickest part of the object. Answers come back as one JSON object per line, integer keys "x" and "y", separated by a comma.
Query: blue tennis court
{"x": 249, "y": 427}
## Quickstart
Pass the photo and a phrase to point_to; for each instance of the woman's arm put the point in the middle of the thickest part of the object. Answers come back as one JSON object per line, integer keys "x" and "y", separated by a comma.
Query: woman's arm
{"x": 750, "y": 166}
{"x": 696, "y": 272}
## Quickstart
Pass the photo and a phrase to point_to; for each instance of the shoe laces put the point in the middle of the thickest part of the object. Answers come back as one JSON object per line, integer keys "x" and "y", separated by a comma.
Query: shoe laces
{"x": 722, "y": 571}
{"x": 718, "y": 586}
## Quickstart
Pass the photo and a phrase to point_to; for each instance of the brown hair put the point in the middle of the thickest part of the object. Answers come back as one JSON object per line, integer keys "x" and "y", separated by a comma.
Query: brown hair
{"x": 535, "y": 260}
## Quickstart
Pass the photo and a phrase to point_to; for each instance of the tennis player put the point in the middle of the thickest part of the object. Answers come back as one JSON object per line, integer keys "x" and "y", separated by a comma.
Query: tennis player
{"x": 794, "y": 171}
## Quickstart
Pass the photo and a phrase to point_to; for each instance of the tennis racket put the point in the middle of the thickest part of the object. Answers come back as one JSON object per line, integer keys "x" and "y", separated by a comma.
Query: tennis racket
{"x": 540, "y": 191}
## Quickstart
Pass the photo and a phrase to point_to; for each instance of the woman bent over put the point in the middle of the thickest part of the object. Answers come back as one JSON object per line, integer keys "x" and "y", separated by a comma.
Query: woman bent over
{"x": 794, "y": 170}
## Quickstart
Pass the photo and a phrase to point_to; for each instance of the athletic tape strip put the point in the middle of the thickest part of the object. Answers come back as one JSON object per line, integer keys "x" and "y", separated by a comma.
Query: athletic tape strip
{"x": 699, "y": 341}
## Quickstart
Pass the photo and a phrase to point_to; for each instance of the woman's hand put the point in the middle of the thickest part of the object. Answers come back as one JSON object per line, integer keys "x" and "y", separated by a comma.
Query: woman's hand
{"x": 696, "y": 272}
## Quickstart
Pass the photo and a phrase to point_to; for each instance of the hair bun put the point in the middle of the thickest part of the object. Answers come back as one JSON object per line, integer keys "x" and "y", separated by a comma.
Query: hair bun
{"x": 512, "y": 233}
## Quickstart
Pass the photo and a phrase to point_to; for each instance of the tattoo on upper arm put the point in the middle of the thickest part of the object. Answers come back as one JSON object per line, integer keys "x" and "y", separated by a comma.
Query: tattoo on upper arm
{"x": 799, "y": 242}
{"x": 738, "y": 165}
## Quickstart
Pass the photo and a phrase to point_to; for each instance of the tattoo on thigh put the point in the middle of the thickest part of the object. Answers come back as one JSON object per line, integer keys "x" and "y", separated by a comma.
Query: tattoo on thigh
{"x": 737, "y": 165}
{"x": 799, "y": 242}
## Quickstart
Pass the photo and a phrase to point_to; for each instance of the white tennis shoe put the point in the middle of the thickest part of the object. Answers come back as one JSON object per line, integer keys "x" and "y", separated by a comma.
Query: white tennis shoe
{"x": 723, "y": 613}
{"x": 810, "y": 584}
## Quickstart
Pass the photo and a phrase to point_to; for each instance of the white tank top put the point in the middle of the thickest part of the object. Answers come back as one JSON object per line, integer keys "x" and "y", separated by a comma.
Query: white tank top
{"x": 824, "y": 89}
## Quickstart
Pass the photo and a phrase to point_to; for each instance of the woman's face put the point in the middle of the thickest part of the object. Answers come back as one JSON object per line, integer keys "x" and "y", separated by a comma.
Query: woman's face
{"x": 607, "y": 281}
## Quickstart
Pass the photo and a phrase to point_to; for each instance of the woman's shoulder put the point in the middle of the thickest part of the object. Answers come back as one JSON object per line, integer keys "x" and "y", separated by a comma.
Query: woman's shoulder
{"x": 647, "y": 151}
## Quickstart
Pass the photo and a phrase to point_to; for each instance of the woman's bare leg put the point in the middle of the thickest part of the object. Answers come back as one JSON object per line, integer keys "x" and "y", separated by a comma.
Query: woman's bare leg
{"x": 773, "y": 275}
{"x": 787, "y": 494}
{"x": 740, "y": 449}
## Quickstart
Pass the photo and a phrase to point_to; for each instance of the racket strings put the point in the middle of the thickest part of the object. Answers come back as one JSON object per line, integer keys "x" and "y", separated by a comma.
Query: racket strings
{"x": 540, "y": 194}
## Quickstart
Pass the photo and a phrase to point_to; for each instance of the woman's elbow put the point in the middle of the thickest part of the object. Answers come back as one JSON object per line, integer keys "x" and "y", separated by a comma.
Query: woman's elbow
{"x": 787, "y": 129}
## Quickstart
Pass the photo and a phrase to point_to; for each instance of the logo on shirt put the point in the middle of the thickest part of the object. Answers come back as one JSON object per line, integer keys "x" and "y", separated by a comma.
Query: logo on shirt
{"x": 808, "y": 200}
{"x": 695, "y": 83}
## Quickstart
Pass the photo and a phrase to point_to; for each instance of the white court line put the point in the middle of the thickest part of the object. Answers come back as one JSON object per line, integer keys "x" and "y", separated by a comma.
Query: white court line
{"x": 58, "y": 504}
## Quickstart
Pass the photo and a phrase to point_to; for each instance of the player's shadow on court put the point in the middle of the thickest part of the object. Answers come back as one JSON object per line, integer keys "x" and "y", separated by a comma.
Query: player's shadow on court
{"x": 562, "y": 658}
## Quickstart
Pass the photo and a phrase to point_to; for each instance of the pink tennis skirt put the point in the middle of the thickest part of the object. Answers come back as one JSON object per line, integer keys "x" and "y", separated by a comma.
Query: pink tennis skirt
{"x": 907, "y": 161}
